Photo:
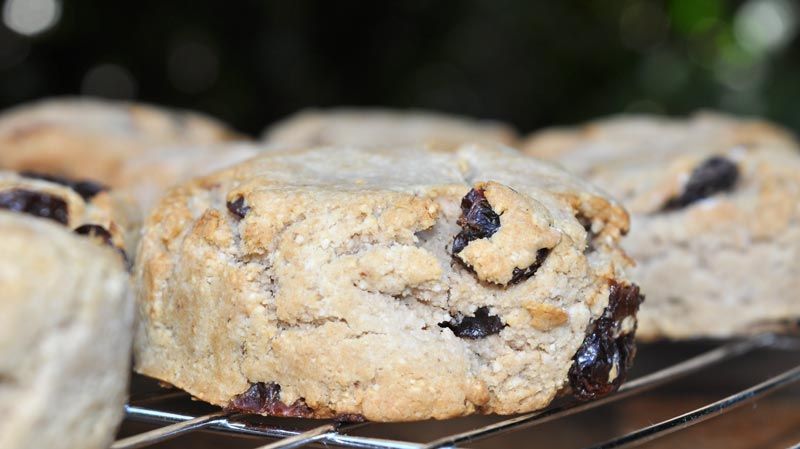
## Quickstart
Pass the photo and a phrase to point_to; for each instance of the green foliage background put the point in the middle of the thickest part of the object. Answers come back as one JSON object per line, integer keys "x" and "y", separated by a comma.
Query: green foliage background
{"x": 533, "y": 63}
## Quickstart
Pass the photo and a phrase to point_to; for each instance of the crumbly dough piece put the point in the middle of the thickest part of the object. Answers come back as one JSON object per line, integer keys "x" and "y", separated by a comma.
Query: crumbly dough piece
{"x": 389, "y": 284}
{"x": 714, "y": 203}
{"x": 66, "y": 325}
{"x": 85, "y": 138}
{"x": 384, "y": 127}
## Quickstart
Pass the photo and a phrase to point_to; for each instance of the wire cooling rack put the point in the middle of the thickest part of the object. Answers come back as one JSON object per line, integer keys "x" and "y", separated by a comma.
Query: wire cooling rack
{"x": 150, "y": 409}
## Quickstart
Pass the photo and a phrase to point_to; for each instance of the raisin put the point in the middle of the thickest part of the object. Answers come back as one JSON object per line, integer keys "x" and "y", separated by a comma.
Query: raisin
{"x": 237, "y": 207}
{"x": 35, "y": 203}
{"x": 93, "y": 230}
{"x": 258, "y": 397}
{"x": 714, "y": 175}
{"x": 86, "y": 189}
{"x": 265, "y": 399}
{"x": 347, "y": 418}
{"x": 586, "y": 222}
{"x": 624, "y": 301}
{"x": 99, "y": 232}
{"x": 480, "y": 325}
{"x": 605, "y": 356}
{"x": 519, "y": 275}
{"x": 477, "y": 221}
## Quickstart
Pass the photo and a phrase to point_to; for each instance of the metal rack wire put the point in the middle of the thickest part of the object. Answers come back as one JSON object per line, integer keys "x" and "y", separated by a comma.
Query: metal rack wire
{"x": 146, "y": 409}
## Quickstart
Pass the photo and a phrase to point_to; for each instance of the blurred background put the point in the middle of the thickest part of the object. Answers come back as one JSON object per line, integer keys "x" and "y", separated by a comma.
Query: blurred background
{"x": 532, "y": 63}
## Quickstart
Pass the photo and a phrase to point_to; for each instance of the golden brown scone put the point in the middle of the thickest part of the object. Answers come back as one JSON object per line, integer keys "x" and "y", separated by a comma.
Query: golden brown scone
{"x": 396, "y": 284}
{"x": 66, "y": 324}
{"x": 384, "y": 127}
{"x": 92, "y": 139}
{"x": 715, "y": 205}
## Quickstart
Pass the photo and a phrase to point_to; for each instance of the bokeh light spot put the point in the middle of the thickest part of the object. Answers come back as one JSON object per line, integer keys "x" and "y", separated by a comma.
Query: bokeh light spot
{"x": 192, "y": 67}
{"x": 664, "y": 73}
{"x": 765, "y": 25}
{"x": 747, "y": 102}
{"x": 31, "y": 17}
{"x": 110, "y": 81}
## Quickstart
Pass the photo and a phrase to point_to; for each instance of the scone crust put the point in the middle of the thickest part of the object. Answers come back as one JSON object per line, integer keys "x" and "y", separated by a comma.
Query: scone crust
{"x": 386, "y": 127}
{"x": 91, "y": 138}
{"x": 326, "y": 278}
{"x": 720, "y": 266}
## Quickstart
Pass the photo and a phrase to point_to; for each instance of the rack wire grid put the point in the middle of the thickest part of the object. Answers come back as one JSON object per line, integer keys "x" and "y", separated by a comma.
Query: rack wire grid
{"x": 150, "y": 408}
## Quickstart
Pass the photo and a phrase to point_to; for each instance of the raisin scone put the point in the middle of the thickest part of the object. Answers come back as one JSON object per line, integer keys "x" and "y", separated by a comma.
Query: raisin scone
{"x": 147, "y": 176}
{"x": 92, "y": 138}
{"x": 387, "y": 284}
{"x": 715, "y": 208}
{"x": 66, "y": 325}
{"x": 365, "y": 126}
{"x": 86, "y": 207}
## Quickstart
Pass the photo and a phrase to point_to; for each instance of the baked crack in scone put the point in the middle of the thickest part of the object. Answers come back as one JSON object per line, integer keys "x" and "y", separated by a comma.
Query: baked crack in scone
{"x": 386, "y": 284}
{"x": 365, "y": 126}
{"x": 715, "y": 214}
{"x": 66, "y": 325}
{"x": 93, "y": 139}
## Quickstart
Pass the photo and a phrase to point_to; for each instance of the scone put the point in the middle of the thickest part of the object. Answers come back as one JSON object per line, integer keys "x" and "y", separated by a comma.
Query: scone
{"x": 387, "y": 284}
{"x": 91, "y": 138}
{"x": 65, "y": 334}
{"x": 86, "y": 207}
{"x": 383, "y": 127}
{"x": 715, "y": 205}
{"x": 145, "y": 177}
